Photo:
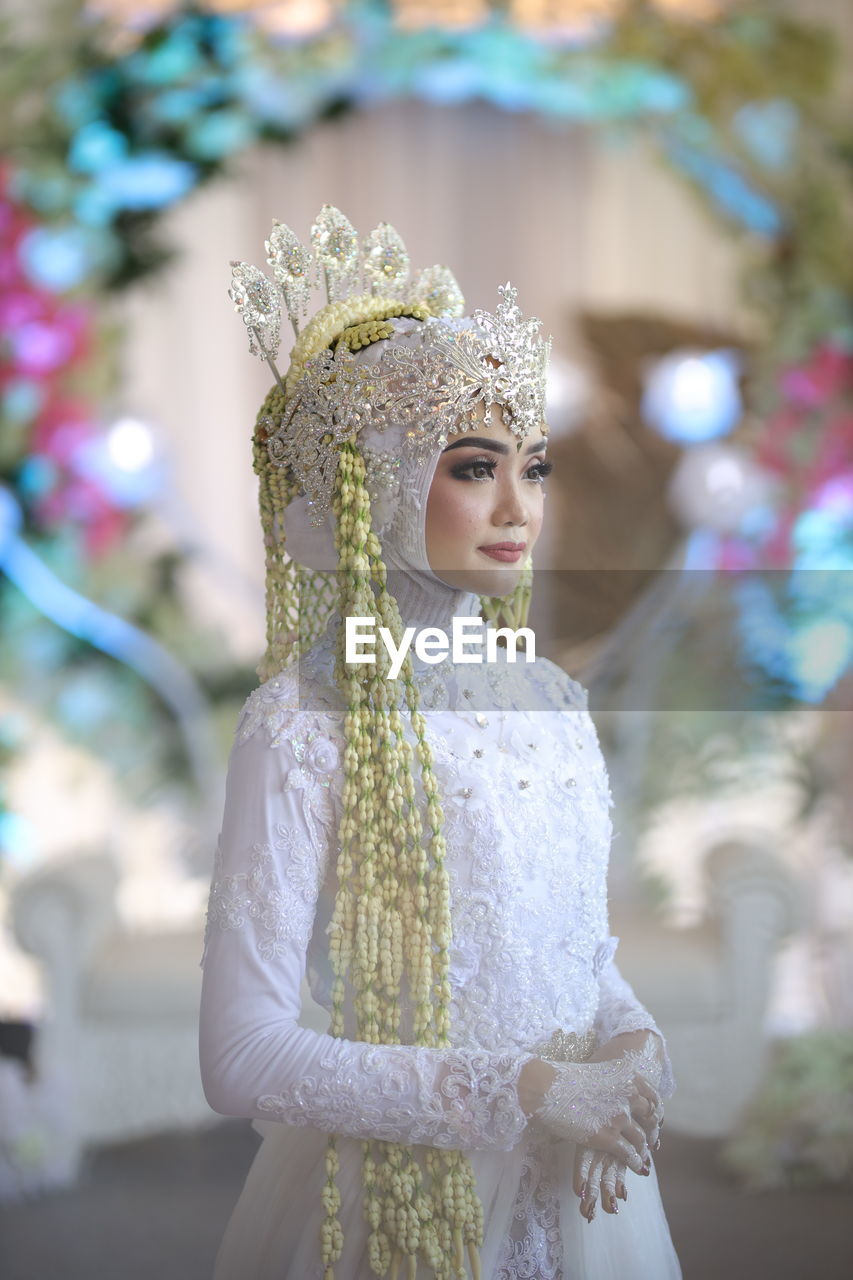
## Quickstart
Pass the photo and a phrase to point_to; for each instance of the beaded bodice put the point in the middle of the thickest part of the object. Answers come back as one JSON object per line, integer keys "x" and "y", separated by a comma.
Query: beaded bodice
{"x": 526, "y": 803}
{"x": 527, "y": 825}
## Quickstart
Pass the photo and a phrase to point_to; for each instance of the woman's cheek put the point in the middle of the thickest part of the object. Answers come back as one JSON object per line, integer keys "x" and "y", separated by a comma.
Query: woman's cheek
{"x": 460, "y": 510}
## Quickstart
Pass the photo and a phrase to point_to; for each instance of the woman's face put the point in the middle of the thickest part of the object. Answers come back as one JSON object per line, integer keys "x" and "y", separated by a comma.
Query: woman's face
{"x": 485, "y": 506}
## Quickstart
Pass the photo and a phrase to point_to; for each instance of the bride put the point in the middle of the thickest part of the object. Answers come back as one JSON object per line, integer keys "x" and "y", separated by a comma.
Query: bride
{"x": 429, "y": 849}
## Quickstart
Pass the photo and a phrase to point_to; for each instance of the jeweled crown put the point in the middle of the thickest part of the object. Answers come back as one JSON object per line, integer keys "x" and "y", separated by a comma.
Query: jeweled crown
{"x": 498, "y": 358}
{"x": 378, "y": 268}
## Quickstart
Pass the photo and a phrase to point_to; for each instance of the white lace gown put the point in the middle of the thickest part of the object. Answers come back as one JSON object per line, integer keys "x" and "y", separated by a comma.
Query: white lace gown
{"x": 527, "y": 825}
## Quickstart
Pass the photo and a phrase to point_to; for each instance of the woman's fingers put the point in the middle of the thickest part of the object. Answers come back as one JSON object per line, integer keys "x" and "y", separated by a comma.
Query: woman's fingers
{"x": 649, "y": 1092}
{"x": 647, "y": 1109}
{"x": 608, "y": 1185}
{"x": 637, "y": 1137}
{"x": 645, "y": 1115}
{"x": 589, "y": 1199}
{"x": 630, "y": 1146}
{"x": 598, "y": 1176}
{"x": 627, "y": 1154}
{"x": 583, "y": 1160}
{"x": 648, "y": 1120}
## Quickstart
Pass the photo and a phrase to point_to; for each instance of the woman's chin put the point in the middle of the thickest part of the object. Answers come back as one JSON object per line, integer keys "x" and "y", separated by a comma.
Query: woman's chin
{"x": 483, "y": 582}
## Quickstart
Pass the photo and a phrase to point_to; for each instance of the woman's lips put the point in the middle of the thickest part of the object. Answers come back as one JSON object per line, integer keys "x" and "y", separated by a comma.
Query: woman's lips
{"x": 509, "y": 552}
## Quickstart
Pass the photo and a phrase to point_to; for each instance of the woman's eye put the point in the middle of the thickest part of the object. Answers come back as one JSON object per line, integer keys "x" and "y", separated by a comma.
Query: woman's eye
{"x": 484, "y": 469}
{"x": 476, "y": 469}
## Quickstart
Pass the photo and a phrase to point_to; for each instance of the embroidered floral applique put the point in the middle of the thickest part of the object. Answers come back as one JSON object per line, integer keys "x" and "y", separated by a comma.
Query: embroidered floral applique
{"x": 447, "y": 1098}
{"x": 530, "y": 948}
{"x": 281, "y": 906}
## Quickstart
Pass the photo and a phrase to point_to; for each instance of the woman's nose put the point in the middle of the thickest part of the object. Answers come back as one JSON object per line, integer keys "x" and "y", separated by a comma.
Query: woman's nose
{"x": 510, "y": 507}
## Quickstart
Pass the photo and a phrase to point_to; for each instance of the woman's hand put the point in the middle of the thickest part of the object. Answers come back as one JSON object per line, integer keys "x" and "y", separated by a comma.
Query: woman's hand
{"x": 646, "y": 1105}
{"x": 593, "y": 1104}
{"x": 608, "y": 1106}
{"x": 617, "y": 1128}
{"x": 600, "y": 1176}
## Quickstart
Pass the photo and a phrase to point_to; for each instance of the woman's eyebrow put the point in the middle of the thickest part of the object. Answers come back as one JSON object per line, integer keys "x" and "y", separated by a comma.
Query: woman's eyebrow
{"x": 482, "y": 442}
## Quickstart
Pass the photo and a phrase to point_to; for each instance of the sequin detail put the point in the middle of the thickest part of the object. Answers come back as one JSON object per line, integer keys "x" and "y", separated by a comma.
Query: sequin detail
{"x": 531, "y": 953}
{"x": 428, "y": 392}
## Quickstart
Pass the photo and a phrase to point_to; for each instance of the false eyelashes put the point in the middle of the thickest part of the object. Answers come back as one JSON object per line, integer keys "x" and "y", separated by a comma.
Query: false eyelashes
{"x": 466, "y": 470}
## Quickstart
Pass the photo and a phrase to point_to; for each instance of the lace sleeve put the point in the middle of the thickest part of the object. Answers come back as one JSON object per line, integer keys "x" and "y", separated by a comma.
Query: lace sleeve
{"x": 278, "y": 828}
{"x": 620, "y": 1011}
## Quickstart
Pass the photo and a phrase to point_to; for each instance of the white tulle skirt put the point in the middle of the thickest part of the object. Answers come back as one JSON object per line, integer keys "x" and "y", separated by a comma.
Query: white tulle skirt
{"x": 273, "y": 1233}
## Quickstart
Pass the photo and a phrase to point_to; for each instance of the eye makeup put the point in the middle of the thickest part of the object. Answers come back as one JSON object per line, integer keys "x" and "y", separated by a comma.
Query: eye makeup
{"x": 484, "y": 469}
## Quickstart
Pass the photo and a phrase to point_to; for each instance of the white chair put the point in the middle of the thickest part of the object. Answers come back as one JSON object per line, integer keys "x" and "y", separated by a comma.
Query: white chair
{"x": 708, "y": 986}
{"x": 121, "y": 1022}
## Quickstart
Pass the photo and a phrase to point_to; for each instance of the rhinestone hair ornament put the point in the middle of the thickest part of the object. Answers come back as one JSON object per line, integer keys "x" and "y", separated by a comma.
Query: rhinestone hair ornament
{"x": 499, "y": 359}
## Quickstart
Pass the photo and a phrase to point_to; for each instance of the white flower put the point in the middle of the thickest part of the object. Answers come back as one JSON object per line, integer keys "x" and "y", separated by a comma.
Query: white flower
{"x": 321, "y": 756}
{"x": 604, "y": 953}
{"x": 524, "y": 740}
{"x": 469, "y": 794}
{"x": 464, "y": 962}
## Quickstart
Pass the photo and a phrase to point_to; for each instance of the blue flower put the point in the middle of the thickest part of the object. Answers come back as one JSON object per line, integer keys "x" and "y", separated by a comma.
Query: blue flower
{"x": 230, "y": 39}
{"x": 449, "y": 80}
{"x": 219, "y": 133}
{"x": 94, "y": 207}
{"x": 149, "y": 180}
{"x": 77, "y": 102}
{"x": 820, "y": 652}
{"x": 171, "y": 61}
{"x": 267, "y": 96}
{"x": 22, "y": 400}
{"x": 37, "y": 476}
{"x": 96, "y": 146}
{"x": 730, "y": 190}
{"x": 768, "y": 130}
{"x": 57, "y": 258}
{"x": 175, "y": 106}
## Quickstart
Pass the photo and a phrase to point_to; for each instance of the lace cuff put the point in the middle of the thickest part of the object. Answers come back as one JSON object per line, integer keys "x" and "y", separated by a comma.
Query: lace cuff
{"x": 460, "y": 1098}
{"x": 586, "y": 1096}
{"x": 620, "y": 1012}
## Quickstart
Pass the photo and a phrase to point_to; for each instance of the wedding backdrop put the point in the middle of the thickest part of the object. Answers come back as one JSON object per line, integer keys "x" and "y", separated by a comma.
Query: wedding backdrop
{"x": 670, "y": 184}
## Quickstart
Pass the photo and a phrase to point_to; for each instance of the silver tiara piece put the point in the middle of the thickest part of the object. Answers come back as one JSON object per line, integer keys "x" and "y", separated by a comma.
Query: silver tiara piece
{"x": 429, "y": 391}
{"x": 379, "y": 267}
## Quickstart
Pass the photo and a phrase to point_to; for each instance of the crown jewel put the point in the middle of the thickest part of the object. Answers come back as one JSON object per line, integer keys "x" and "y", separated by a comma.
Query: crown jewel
{"x": 426, "y": 391}
{"x": 380, "y": 267}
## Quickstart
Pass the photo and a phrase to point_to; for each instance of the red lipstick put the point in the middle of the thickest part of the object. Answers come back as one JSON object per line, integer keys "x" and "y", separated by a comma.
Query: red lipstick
{"x": 509, "y": 552}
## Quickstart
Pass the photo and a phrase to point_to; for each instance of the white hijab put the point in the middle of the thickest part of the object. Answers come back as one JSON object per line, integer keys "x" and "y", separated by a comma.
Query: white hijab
{"x": 398, "y": 512}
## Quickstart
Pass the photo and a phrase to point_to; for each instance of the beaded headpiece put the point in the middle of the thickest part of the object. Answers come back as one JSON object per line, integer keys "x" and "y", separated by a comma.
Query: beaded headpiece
{"x": 328, "y": 395}
{"x": 338, "y": 431}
